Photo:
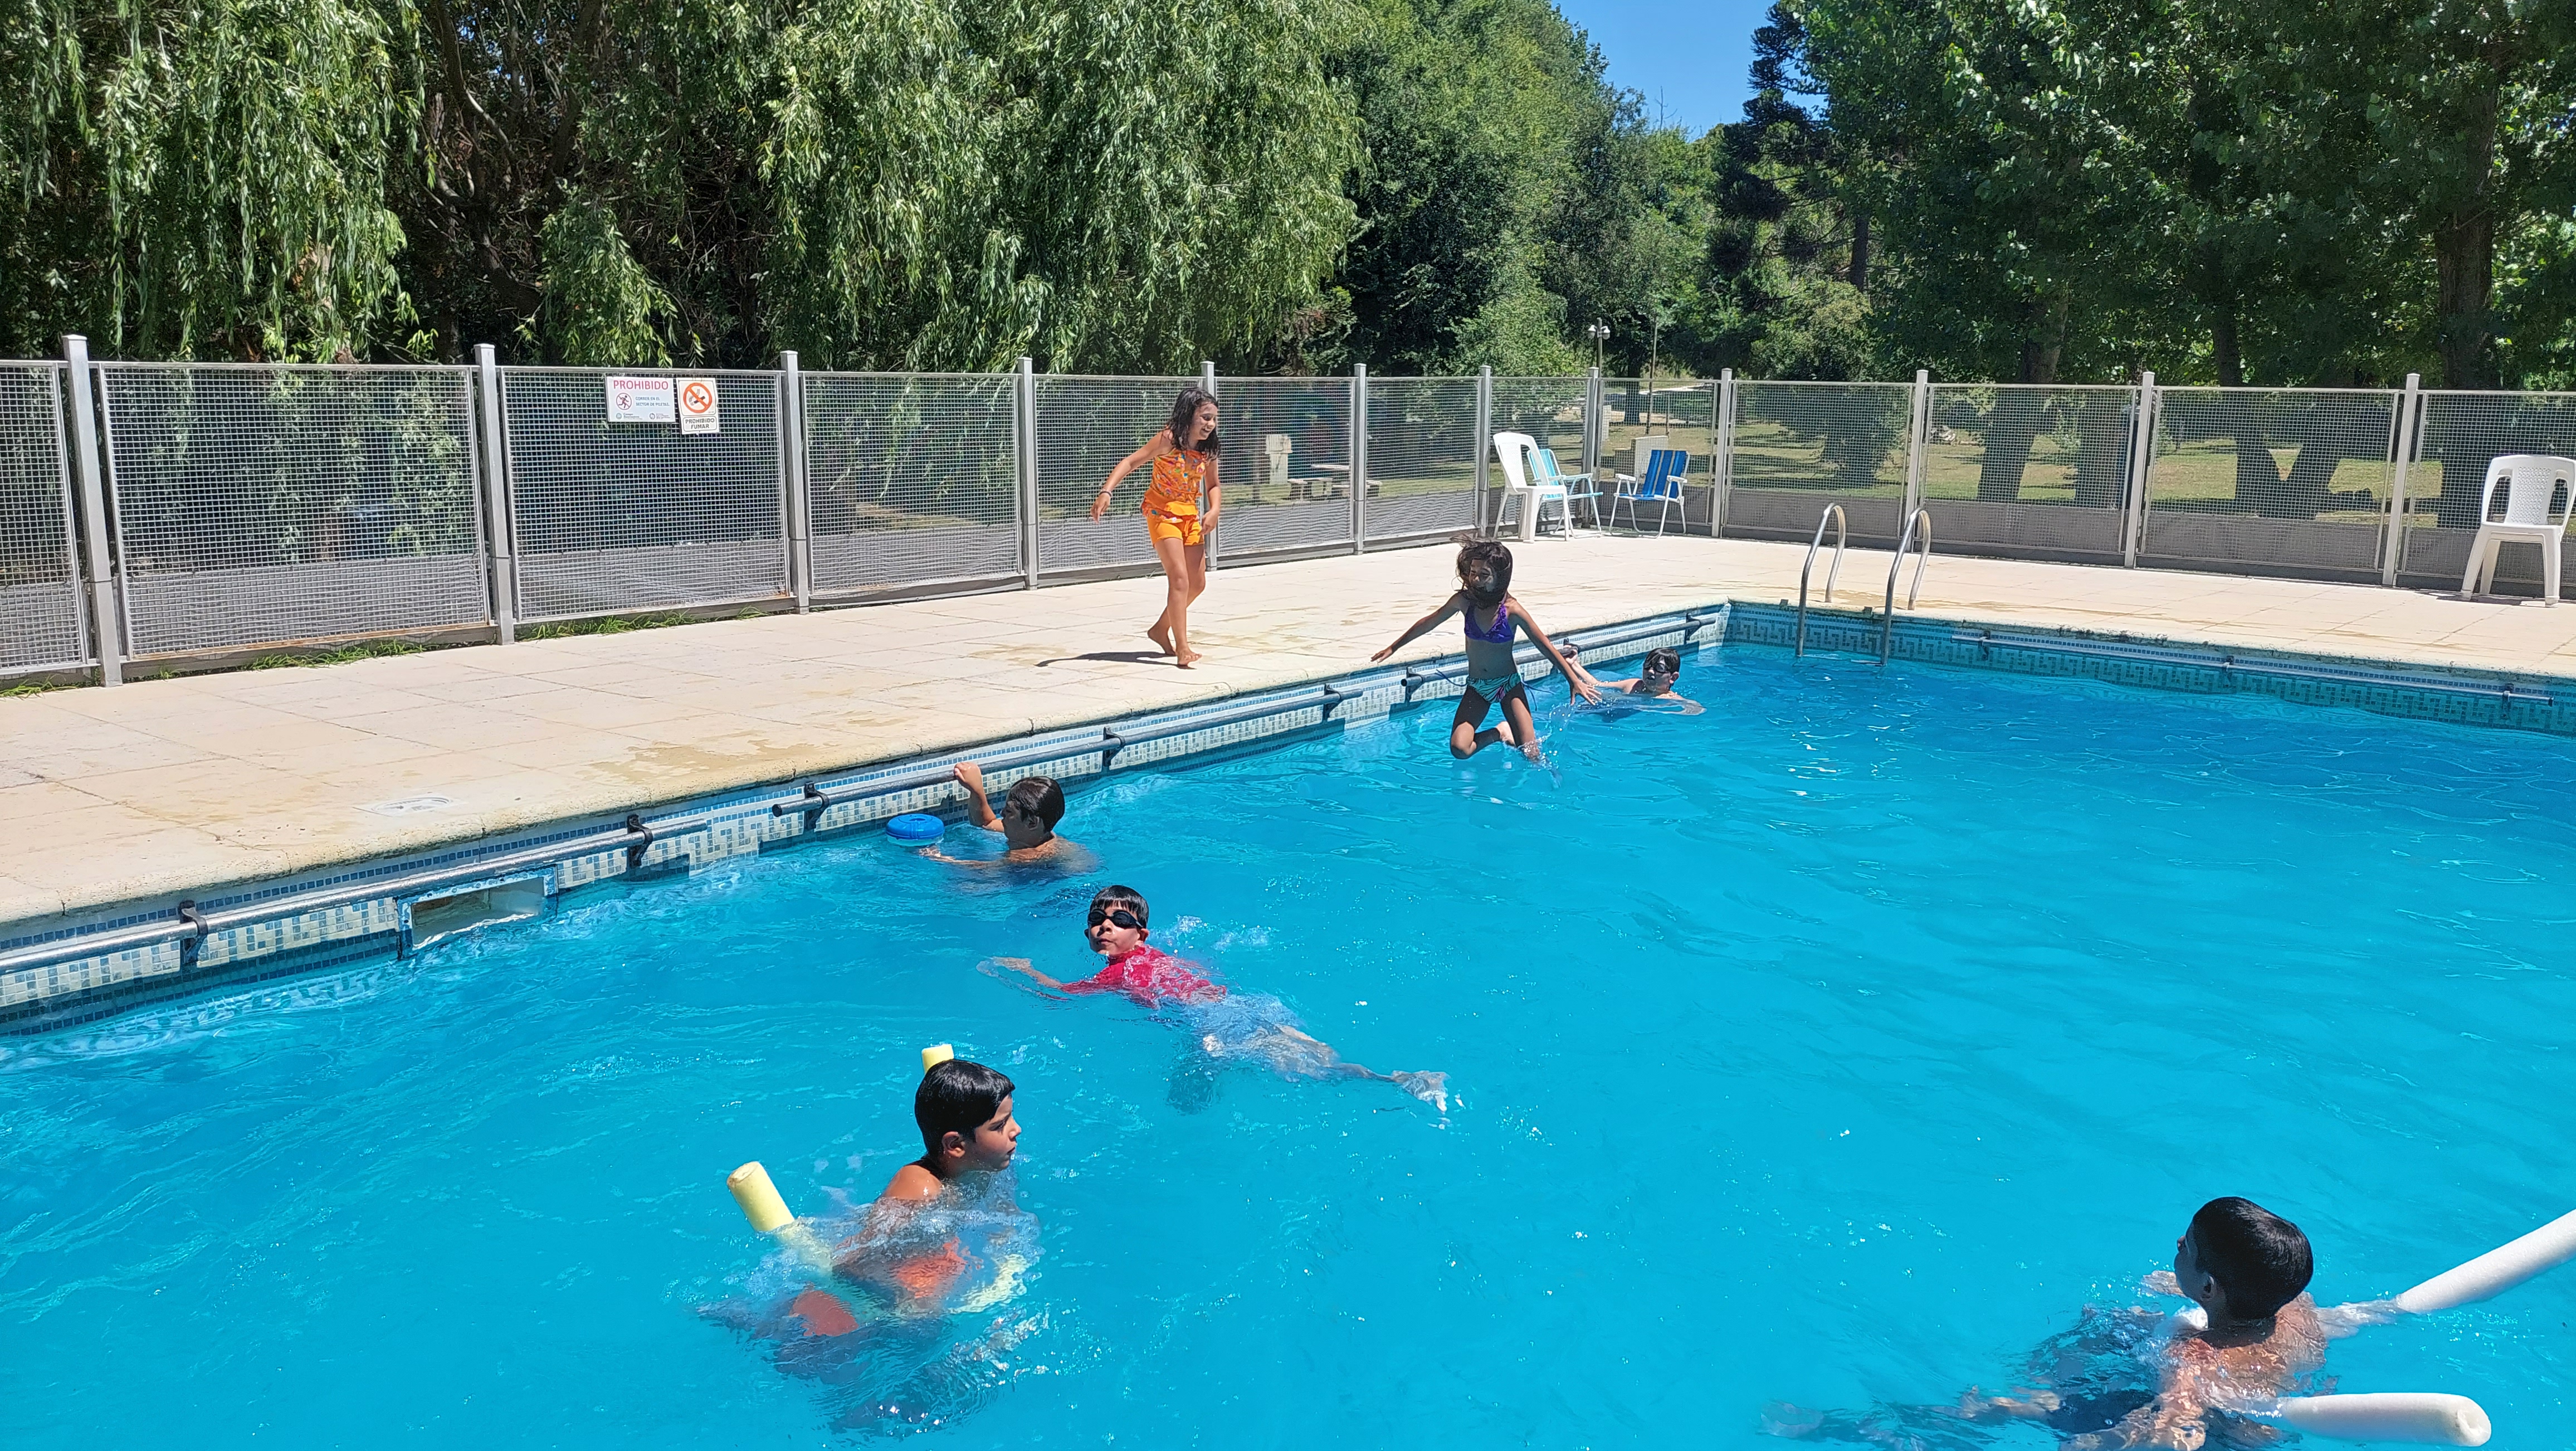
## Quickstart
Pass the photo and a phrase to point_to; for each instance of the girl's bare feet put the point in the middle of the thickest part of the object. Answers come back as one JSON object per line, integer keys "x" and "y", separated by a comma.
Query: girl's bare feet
{"x": 1161, "y": 635}
{"x": 1187, "y": 658}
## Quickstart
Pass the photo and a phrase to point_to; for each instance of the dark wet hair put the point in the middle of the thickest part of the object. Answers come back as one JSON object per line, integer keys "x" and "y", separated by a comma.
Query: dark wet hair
{"x": 1127, "y": 897}
{"x": 1490, "y": 559}
{"x": 1185, "y": 410}
{"x": 1039, "y": 796}
{"x": 1665, "y": 659}
{"x": 957, "y": 1097}
{"x": 2260, "y": 1260}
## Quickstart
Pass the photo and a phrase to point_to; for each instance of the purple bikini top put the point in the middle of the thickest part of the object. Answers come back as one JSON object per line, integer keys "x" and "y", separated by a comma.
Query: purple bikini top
{"x": 1501, "y": 634}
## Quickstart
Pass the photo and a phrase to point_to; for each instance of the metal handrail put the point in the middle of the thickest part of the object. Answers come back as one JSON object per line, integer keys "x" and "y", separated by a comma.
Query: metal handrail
{"x": 1833, "y": 515}
{"x": 1904, "y": 541}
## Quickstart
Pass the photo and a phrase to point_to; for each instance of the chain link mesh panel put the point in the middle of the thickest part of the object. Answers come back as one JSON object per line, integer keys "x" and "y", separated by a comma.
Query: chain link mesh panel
{"x": 2270, "y": 481}
{"x": 1661, "y": 413}
{"x": 1801, "y": 446}
{"x": 1550, "y": 411}
{"x": 912, "y": 479}
{"x": 618, "y": 517}
{"x": 2035, "y": 471}
{"x": 1421, "y": 458}
{"x": 1286, "y": 465}
{"x": 1085, "y": 426}
{"x": 42, "y": 621}
{"x": 2461, "y": 434}
{"x": 261, "y": 505}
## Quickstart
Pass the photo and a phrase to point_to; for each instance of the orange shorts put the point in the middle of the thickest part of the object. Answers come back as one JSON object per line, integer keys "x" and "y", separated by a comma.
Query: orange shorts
{"x": 1174, "y": 521}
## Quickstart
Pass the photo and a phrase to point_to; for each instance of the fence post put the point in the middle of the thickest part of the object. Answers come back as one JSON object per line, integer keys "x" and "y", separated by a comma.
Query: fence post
{"x": 1918, "y": 444}
{"x": 800, "y": 547}
{"x": 1215, "y": 545}
{"x": 1484, "y": 444}
{"x": 1024, "y": 422}
{"x": 496, "y": 498}
{"x": 2142, "y": 452}
{"x": 1721, "y": 450}
{"x": 2410, "y": 407}
{"x": 104, "y": 617}
{"x": 1359, "y": 458}
{"x": 1592, "y": 430}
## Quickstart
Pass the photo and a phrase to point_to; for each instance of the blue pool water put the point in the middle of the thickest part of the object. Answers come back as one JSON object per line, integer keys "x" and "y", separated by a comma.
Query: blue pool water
{"x": 1832, "y": 1048}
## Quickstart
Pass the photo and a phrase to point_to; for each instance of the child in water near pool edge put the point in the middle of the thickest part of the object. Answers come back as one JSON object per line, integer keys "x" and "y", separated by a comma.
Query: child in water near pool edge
{"x": 1262, "y": 1030}
{"x": 1493, "y": 678}
{"x": 1026, "y": 821}
{"x": 1656, "y": 676}
{"x": 2246, "y": 1267}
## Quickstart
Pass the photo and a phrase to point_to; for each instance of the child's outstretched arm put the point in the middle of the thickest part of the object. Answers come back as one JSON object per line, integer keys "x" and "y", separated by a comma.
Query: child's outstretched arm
{"x": 979, "y": 810}
{"x": 1424, "y": 625}
{"x": 1574, "y": 674}
{"x": 1153, "y": 448}
{"x": 1019, "y": 965}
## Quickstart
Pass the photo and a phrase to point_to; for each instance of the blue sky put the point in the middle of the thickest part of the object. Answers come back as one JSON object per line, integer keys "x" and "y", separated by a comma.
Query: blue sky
{"x": 1687, "y": 56}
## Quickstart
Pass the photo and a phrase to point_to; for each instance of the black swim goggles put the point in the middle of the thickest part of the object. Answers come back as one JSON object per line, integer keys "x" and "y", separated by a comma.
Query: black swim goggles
{"x": 1115, "y": 917}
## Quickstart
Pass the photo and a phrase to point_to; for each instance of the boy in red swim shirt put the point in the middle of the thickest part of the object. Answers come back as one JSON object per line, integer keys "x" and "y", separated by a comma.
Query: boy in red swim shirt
{"x": 1248, "y": 1026}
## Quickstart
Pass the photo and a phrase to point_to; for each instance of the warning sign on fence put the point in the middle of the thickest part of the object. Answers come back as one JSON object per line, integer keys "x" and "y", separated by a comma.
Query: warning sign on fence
{"x": 698, "y": 405}
{"x": 639, "y": 400}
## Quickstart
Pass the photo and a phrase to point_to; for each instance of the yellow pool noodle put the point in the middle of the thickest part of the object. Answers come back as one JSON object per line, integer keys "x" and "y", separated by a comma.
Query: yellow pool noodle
{"x": 936, "y": 1054}
{"x": 759, "y": 1198}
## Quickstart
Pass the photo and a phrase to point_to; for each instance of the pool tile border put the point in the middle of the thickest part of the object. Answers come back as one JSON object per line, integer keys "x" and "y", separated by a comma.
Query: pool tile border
{"x": 366, "y": 921}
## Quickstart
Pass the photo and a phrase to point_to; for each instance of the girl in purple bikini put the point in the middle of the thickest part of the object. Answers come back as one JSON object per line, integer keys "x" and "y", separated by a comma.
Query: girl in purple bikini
{"x": 1493, "y": 677}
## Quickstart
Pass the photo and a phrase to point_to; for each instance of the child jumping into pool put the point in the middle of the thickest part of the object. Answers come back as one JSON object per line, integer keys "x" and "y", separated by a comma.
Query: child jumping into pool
{"x": 1180, "y": 507}
{"x": 2109, "y": 1383}
{"x": 1493, "y": 678}
{"x": 1247, "y": 1026}
{"x": 1026, "y": 821}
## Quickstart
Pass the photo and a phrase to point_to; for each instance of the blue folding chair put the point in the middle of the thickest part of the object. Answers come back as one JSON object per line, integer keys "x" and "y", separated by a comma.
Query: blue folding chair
{"x": 1666, "y": 471}
{"x": 1576, "y": 487}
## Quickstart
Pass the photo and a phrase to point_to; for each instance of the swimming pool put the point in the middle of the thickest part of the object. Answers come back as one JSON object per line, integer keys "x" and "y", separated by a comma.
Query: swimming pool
{"x": 1831, "y": 1047}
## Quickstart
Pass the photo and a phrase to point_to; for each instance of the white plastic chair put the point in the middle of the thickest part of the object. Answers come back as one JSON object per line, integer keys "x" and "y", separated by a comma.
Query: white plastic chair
{"x": 1662, "y": 486}
{"x": 1515, "y": 451}
{"x": 2539, "y": 488}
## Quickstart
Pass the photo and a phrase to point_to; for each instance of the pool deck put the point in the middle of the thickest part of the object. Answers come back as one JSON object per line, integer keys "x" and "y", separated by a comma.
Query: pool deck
{"x": 166, "y": 788}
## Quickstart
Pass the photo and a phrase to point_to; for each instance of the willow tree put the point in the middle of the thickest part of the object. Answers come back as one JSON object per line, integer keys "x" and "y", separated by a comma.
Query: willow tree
{"x": 205, "y": 179}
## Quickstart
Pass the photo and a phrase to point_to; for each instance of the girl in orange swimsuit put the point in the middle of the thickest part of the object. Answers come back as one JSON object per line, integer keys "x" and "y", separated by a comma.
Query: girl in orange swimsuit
{"x": 1180, "y": 507}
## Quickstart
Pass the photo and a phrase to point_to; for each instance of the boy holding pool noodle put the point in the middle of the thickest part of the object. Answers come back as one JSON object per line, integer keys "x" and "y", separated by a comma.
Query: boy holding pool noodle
{"x": 2248, "y": 1270}
{"x": 1248, "y": 1025}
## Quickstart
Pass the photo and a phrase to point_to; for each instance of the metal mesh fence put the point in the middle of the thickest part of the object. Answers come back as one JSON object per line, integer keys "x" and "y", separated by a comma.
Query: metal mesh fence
{"x": 1085, "y": 426}
{"x": 256, "y": 505}
{"x": 2461, "y": 434}
{"x": 42, "y": 623}
{"x": 1286, "y": 465}
{"x": 1421, "y": 458}
{"x": 2270, "y": 480}
{"x": 912, "y": 479}
{"x": 1550, "y": 411}
{"x": 2029, "y": 469}
{"x": 1800, "y": 446}
{"x": 618, "y": 517}
{"x": 1639, "y": 414}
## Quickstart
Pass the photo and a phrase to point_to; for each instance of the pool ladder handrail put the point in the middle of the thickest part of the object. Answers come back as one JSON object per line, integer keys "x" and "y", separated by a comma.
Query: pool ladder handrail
{"x": 1904, "y": 541}
{"x": 1833, "y": 515}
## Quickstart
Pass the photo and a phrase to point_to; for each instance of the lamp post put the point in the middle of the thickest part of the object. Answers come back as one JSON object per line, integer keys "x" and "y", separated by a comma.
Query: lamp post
{"x": 1599, "y": 332}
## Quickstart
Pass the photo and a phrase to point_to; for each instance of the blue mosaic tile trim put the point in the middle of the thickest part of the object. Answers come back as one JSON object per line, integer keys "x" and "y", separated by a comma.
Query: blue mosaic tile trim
{"x": 738, "y": 824}
{"x": 2546, "y": 704}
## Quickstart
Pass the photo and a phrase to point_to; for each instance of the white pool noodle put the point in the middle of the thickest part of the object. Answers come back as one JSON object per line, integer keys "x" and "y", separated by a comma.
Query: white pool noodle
{"x": 2419, "y": 1416}
{"x": 2496, "y": 1271}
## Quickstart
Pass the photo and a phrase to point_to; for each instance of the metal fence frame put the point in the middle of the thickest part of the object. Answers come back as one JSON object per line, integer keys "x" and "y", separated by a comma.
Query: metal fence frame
{"x": 862, "y": 486}
{"x": 44, "y": 621}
